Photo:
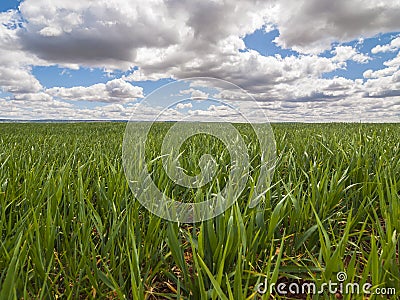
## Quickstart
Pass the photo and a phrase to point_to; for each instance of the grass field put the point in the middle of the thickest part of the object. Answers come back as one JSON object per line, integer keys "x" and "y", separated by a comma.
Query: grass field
{"x": 71, "y": 228}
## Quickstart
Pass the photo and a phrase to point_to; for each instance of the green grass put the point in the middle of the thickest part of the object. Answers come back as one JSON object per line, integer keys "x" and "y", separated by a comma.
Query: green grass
{"x": 71, "y": 228}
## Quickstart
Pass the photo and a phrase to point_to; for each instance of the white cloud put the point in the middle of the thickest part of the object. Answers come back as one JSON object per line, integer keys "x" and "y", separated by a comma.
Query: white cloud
{"x": 118, "y": 33}
{"x": 15, "y": 70}
{"x": 18, "y": 80}
{"x": 116, "y": 90}
{"x": 33, "y": 97}
{"x": 395, "y": 62}
{"x": 194, "y": 94}
{"x": 115, "y": 33}
{"x": 184, "y": 105}
{"x": 310, "y": 26}
{"x": 345, "y": 53}
{"x": 96, "y": 33}
{"x": 50, "y": 31}
{"x": 380, "y": 73}
{"x": 216, "y": 113}
{"x": 382, "y": 87}
{"x": 392, "y": 68}
{"x": 391, "y": 47}
{"x": 179, "y": 39}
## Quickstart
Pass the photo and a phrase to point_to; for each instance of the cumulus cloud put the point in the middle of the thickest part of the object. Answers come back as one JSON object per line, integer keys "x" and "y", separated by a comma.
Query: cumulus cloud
{"x": 116, "y": 32}
{"x": 116, "y": 90}
{"x": 220, "y": 113}
{"x": 26, "y": 109}
{"x": 345, "y": 53}
{"x": 18, "y": 80}
{"x": 310, "y": 26}
{"x": 184, "y": 105}
{"x": 379, "y": 73}
{"x": 395, "y": 62}
{"x": 15, "y": 70}
{"x": 194, "y": 94}
{"x": 391, "y": 71}
{"x": 179, "y": 39}
{"x": 385, "y": 86}
{"x": 391, "y": 47}
{"x": 112, "y": 32}
{"x": 95, "y": 33}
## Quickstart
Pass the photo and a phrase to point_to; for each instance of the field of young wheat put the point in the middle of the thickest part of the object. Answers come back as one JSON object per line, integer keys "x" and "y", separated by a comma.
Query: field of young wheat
{"x": 71, "y": 227}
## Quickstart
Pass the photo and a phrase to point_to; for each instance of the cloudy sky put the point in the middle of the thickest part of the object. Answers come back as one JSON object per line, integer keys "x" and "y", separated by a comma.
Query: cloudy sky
{"x": 314, "y": 60}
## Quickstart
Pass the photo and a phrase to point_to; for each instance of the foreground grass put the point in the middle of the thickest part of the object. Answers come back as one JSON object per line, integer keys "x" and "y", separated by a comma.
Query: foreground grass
{"x": 71, "y": 228}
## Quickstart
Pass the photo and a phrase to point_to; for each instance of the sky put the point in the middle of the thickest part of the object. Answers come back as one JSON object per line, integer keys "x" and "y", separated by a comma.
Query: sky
{"x": 298, "y": 60}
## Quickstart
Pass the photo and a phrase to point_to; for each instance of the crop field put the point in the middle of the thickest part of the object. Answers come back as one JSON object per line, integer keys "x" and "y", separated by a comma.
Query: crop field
{"x": 72, "y": 229}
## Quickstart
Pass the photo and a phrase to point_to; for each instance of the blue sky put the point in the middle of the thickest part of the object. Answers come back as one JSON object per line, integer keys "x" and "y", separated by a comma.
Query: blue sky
{"x": 6, "y": 5}
{"x": 99, "y": 60}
